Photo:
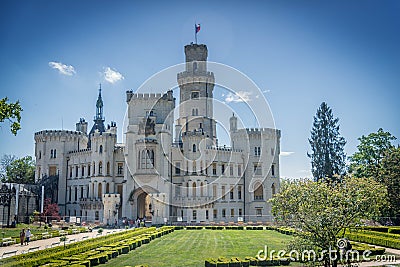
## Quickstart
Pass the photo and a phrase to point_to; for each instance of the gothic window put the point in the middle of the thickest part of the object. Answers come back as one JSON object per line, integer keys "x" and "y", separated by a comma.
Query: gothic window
{"x": 96, "y": 215}
{"x": 51, "y": 153}
{"x": 187, "y": 189}
{"x": 259, "y": 192}
{"x": 239, "y": 192}
{"x": 223, "y": 213}
{"x": 76, "y": 171}
{"x": 194, "y": 214}
{"x": 214, "y": 170}
{"x": 223, "y": 169}
{"x": 107, "y": 188}
{"x": 177, "y": 168}
{"x": 100, "y": 168}
{"x": 88, "y": 170}
{"x": 40, "y": 154}
{"x": 69, "y": 193}
{"x": 207, "y": 215}
{"x": 194, "y": 189}
{"x": 257, "y": 151}
{"x": 231, "y": 193}
{"x": 83, "y": 171}
{"x": 223, "y": 192}
{"x": 108, "y": 168}
{"x": 257, "y": 169}
{"x": 99, "y": 190}
{"x": 194, "y": 148}
{"x": 76, "y": 193}
{"x": 273, "y": 170}
{"x": 215, "y": 191}
{"x": 82, "y": 192}
{"x": 101, "y": 149}
{"x": 120, "y": 170}
{"x": 273, "y": 189}
{"x": 55, "y": 153}
{"x": 147, "y": 159}
{"x": 94, "y": 168}
{"x": 201, "y": 189}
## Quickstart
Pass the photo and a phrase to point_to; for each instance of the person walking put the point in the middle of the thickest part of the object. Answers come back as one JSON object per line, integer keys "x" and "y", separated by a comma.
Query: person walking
{"x": 28, "y": 236}
{"x": 22, "y": 236}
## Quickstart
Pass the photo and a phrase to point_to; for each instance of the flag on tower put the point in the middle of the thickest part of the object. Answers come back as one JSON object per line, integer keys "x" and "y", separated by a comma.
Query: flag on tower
{"x": 197, "y": 27}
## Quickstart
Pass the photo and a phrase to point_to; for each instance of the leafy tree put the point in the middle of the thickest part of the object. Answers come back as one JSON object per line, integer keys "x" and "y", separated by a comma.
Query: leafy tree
{"x": 11, "y": 112}
{"x": 51, "y": 211}
{"x": 21, "y": 171}
{"x": 366, "y": 161}
{"x": 389, "y": 175}
{"x": 320, "y": 210}
{"x": 6, "y": 160}
{"x": 328, "y": 157}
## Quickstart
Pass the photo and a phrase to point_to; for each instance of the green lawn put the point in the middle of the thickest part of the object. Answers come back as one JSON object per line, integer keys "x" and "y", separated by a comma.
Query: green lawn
{"x": 191, "y": 247}
{"x": 14, "y": 232}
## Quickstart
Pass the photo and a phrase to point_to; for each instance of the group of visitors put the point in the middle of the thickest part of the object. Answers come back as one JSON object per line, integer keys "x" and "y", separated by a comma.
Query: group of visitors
{"x": 25, "y": 236}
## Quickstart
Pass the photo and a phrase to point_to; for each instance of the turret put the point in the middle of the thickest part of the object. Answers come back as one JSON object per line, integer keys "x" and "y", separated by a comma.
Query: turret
{"x": 82, "y": 126}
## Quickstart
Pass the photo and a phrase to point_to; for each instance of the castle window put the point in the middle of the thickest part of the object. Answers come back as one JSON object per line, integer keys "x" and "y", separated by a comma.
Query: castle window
{"x": 94, "y": 168}
{"x": 76, "y": 171}
{"x": 259, "y": 212}
{"x": 215, "y": 212}
{"x": 194, "y": 169}
{"x": 51, "y": 153}
{"x": 99, "y": 190}
{"x": 257, "y": 169}
{"x": 40, "y": 154}
{"x": 88, "y": 170}
{"x": 70, "y": 172}
{"x": 100, "y": 168}
{"x": 207, "y": 215}
{"x": 83, "y": 171}
{"x": 194, "y": 215}
{"x": 215, "y": 191}
{"x": 232, "y": 213}
{"x": 239, "y": 170}
{"x": 195, "y": 95}
{"x": 223, "y": 213}
{"x": 96, "y": 215}
{"x": 55, "y": 153}
{"x": 107, "y": 188}
{"x": 239, "y": 192}
{"x": 201, "y": 189}
{"x": 52, "y": 170}
{"x": 259, "y": 192}
{"x": 76, "y": 193}
{"x": 194, "y": 148}
{"x": 69, "y": 193}
{"x": 231, "y": 193}
{"x": 257, "y": 151}
{"x": 231, "y": 170}
{"x": 101, "y": 149}
{"x": 187, "y": 189}
{"x": 82, "y": 192}
{"x": 146, "y": 159}
{"x": 214, "y": 165}
{"x": 194, "y": 189}
{"x": 273, "y": 170}
{"x": 273, "y": 190}
{"x": 194, "y": 66}
{"x": 223, "y": 192}
{"x": 108, "y": 168}
{"x": 240, "y": 212}
{"x": 177, "y": 168}
{"x": 120, "y": 170}
{"x": 223, "y": 169}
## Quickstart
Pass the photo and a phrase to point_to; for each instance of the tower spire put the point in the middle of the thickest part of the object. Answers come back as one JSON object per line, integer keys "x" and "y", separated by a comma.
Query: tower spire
{"x": 99, "y": 107}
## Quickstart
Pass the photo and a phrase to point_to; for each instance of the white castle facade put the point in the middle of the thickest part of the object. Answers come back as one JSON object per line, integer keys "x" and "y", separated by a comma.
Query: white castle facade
{"x": 159, "y": 176}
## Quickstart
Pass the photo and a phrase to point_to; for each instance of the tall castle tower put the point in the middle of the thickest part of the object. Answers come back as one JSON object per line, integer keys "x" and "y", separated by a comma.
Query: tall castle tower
{"x": 195, "y": 123}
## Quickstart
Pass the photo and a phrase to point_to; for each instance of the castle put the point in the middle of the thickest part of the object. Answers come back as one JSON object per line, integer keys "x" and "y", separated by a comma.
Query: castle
{"x": 159, "y": 176}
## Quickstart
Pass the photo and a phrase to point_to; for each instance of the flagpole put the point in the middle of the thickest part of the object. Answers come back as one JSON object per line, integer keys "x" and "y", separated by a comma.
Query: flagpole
{"x": 195, "y": 32}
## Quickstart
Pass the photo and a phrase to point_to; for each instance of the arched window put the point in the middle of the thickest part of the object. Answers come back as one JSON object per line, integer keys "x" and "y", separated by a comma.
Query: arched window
{"x": 107, "y": 188}
{"x": 82, "y": 192}
{"x": 194, "y": 189}
{"x": 147, "y": 159}
{"x": 55, "y": 153}
{"x": 201, "y": 189}
{"x": 94, "y": 168}
{"x": 259, "y": 192}
{"x": 99, "y": 190}
{"x": 194, "y": 148}
{"x": 193, "y": 112}
{"x": 100, "y": 168}
{"x": 76, "y": 193}
{"x": 273, "y": 189}
{"x": 108, "y": 168}
{"x": 187, "y": 189}
{"x": 101, "y": 149}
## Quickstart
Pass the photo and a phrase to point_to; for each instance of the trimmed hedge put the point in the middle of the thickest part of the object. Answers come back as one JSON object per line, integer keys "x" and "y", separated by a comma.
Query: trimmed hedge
{"x": 248, "y": 261}
{"x": 373, "y": 238}
{"x": 89, "y": 252}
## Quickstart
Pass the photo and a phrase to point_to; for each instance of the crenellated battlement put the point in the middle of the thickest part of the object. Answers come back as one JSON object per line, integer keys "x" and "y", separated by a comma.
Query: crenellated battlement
{"x": 148, "y": 96}
{"x": 58, "y": 133}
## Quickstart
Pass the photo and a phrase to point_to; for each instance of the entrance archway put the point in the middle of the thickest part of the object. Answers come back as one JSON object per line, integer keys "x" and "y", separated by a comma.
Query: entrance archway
{"x": 144, "y": 206}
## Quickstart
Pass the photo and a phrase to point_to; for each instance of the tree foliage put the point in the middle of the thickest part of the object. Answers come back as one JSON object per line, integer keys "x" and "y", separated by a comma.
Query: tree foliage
{"x": 389, "y": 175}
{"x": 21, "y": 171}
{"x": 320, "y": 210}
{"x": 12, "y": 112}
{"x": 371, "y": 150}
{"x": 6, "y": 160}
{"x": 327, "y": 145}
{"x": 51, "y": 210}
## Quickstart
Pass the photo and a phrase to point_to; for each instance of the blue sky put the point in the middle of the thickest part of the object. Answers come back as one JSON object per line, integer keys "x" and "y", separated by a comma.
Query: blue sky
{"x": 299, "y": 53}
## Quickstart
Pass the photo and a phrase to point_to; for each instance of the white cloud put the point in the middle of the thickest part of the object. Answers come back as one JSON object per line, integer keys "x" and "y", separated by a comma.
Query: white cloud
{"x": 241, "y": 96}
{"x": 62, "y": 68}
{"x": 112, "y": 76}
{"x": 286, "y": 153}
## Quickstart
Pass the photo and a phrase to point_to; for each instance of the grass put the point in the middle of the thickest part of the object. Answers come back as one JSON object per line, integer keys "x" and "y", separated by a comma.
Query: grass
{"x": 192, "y": 247}
{"x": 14, "y": 232}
